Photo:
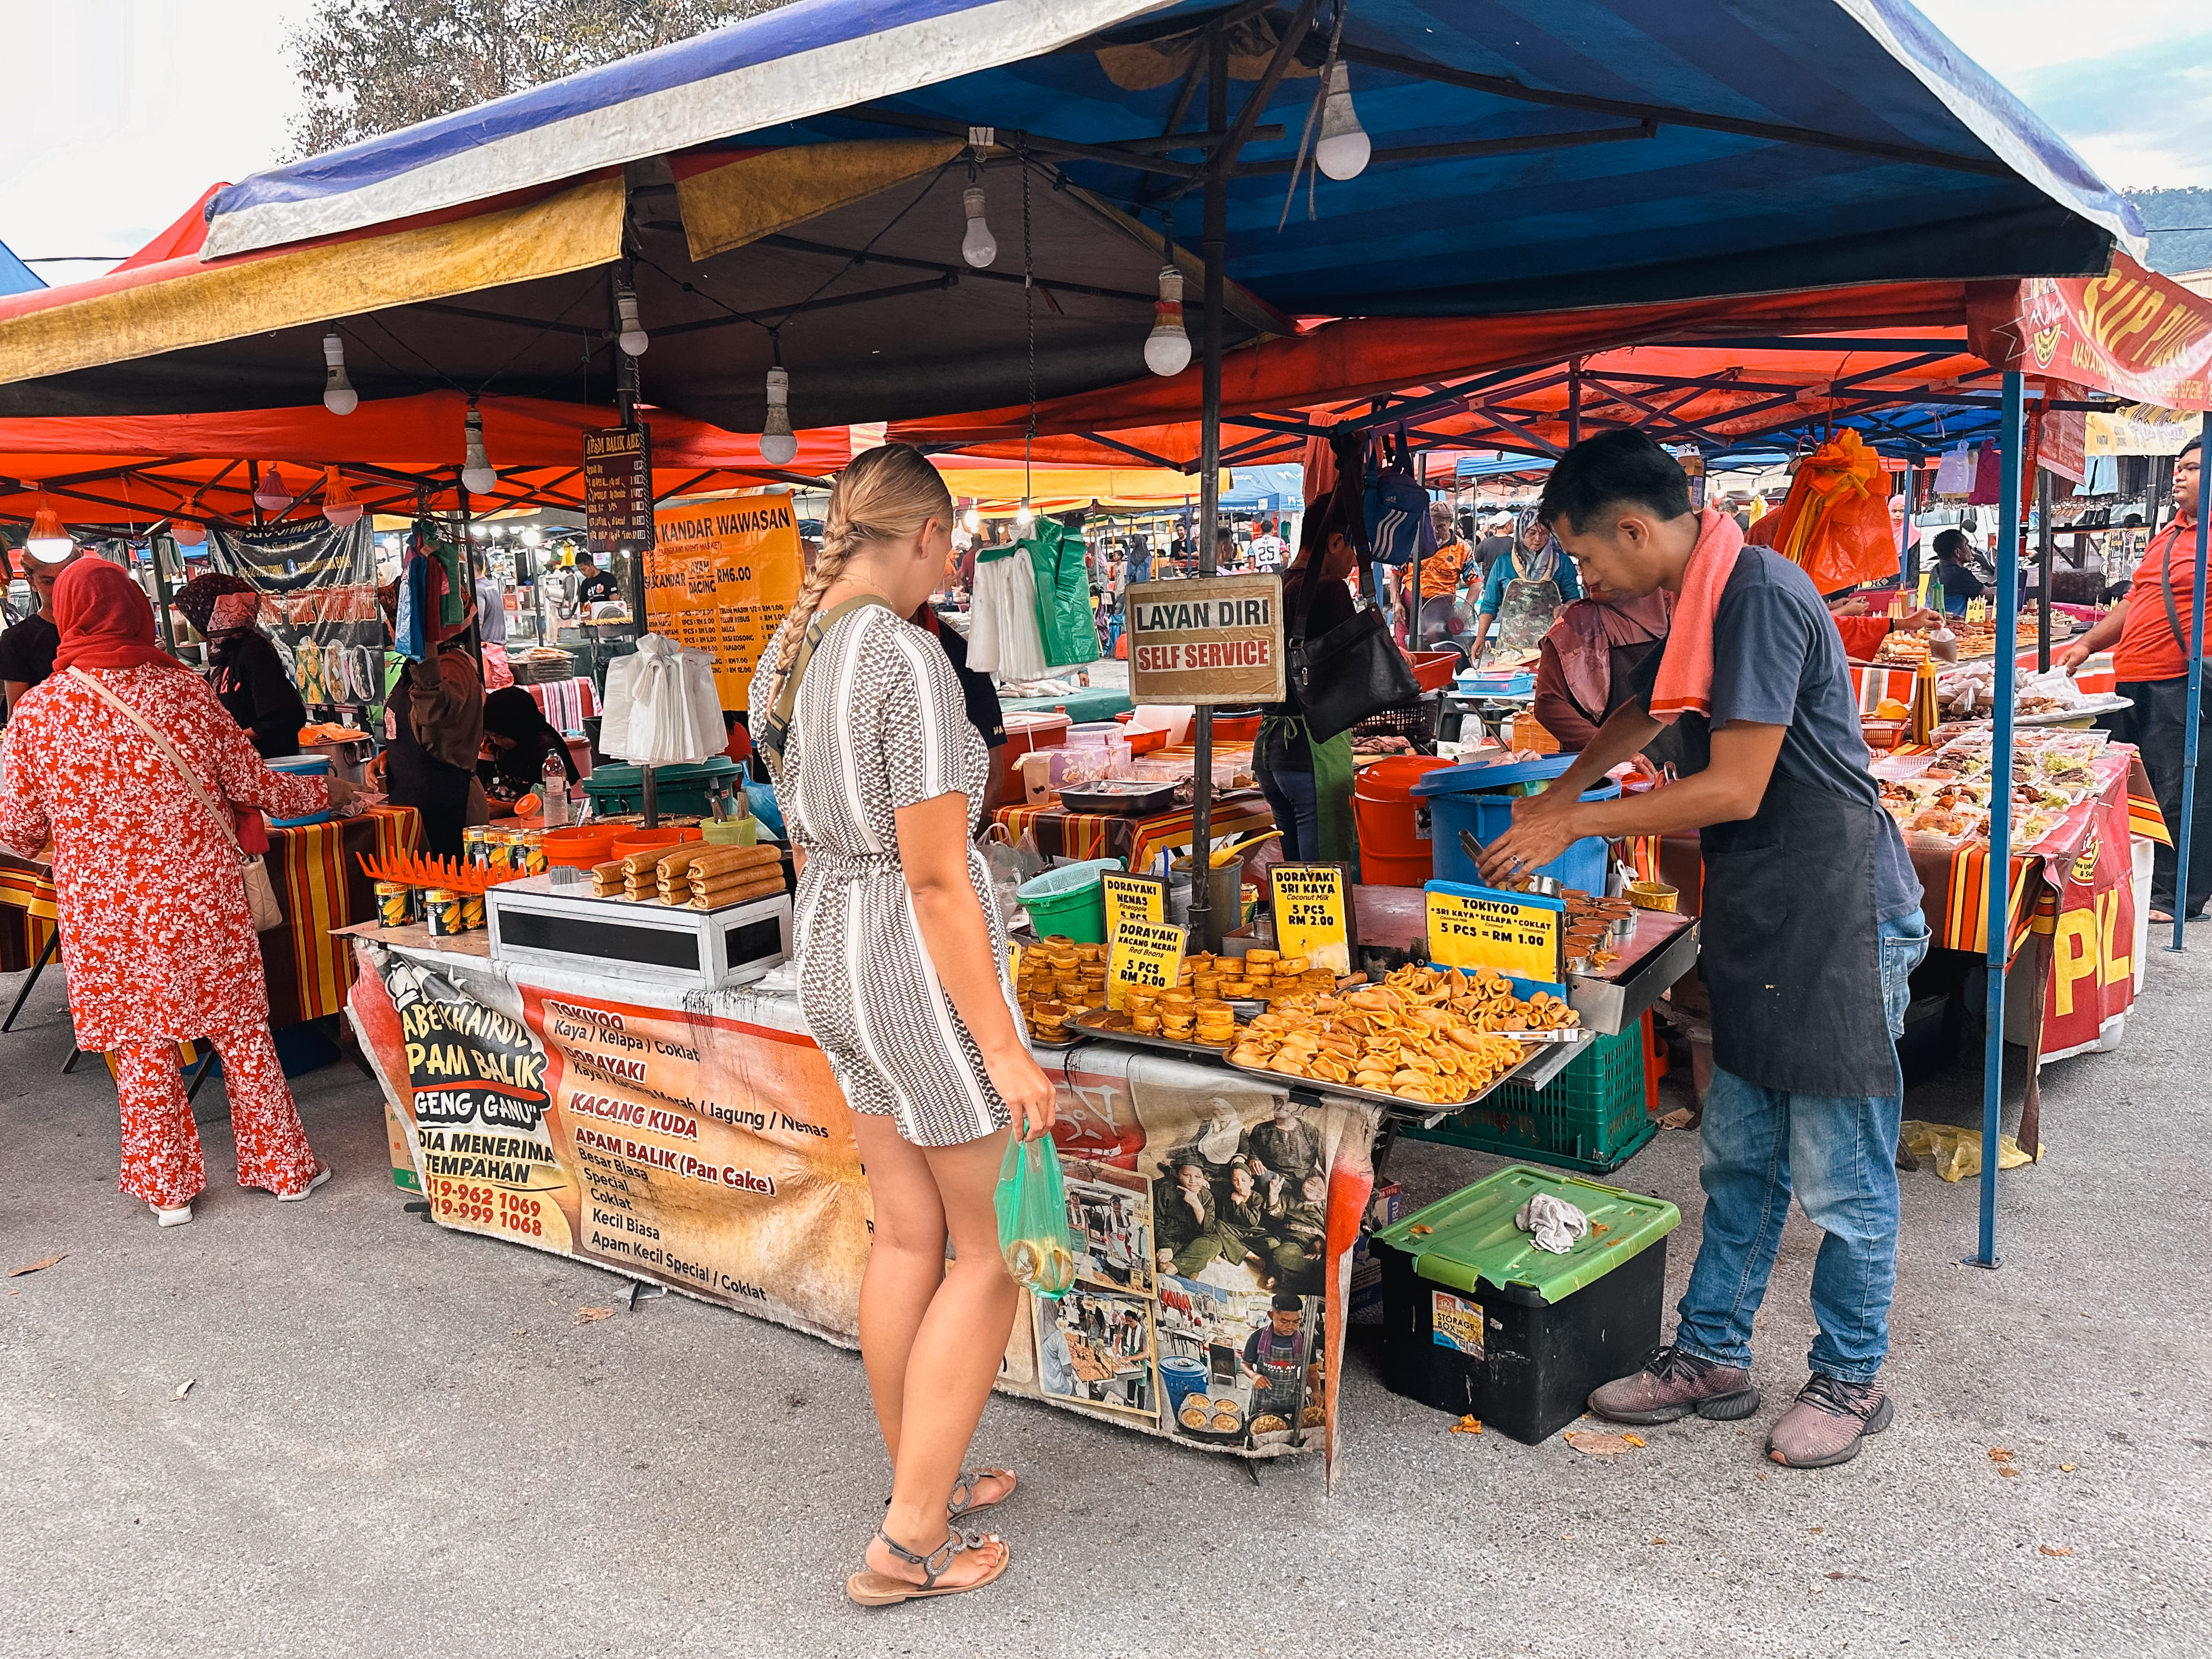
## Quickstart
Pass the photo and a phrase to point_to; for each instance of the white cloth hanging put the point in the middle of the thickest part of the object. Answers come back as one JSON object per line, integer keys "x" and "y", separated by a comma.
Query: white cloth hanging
{"x": 662, "y": 706}
{"x": 1003, "y": 638}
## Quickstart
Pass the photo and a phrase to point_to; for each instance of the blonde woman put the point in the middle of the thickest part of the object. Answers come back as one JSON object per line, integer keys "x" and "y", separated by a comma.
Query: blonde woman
{"x": 881, "y": 779}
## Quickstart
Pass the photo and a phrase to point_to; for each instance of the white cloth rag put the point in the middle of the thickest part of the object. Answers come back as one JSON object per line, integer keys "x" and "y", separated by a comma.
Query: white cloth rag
{"x": 1556, "y": 1222}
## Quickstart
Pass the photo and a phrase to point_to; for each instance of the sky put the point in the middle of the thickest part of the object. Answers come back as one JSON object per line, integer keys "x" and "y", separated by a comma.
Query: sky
{"x": 122, "y": 111}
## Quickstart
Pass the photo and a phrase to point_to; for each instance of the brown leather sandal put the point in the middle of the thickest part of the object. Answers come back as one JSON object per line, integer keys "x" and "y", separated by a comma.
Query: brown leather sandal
{"x": 872, "y": 1589}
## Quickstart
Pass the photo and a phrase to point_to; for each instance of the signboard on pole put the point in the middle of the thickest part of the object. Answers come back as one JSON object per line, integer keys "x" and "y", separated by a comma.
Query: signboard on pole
{"x": 1522, "y": 935}
{"x": 1212, "y": 640}
{"x": 618, "y": 489}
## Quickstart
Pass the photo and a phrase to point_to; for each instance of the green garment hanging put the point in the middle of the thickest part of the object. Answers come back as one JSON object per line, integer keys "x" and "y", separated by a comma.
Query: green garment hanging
{"x": 1061, "y": 565}
{"x": 454, "y": 603}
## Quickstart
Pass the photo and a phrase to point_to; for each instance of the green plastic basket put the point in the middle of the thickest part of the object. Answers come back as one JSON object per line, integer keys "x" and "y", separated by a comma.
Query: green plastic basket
{"x": 1590, "y": 1117}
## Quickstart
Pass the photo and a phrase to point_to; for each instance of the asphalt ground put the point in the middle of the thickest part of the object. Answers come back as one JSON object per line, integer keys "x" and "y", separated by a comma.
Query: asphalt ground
{"x": 401, "y": 1440}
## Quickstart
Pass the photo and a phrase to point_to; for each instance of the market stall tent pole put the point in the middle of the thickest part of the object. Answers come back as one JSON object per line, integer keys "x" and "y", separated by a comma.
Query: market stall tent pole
{"x": 2042, "y": 571}
{"x": 2194, "y": 719}
{"x": 1213, "y": 245}
{"x": 155, "y": 544}
{"x": 1999, "y": 880}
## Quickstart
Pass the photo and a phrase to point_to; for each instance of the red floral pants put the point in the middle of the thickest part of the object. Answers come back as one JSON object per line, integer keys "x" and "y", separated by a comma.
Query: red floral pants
{"x": 161, "y": 1160}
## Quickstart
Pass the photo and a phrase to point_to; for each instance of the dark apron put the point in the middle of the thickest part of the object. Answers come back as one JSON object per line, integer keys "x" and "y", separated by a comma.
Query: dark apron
{"x": 418, "y": 779}
{"x": 1792, "y": 952}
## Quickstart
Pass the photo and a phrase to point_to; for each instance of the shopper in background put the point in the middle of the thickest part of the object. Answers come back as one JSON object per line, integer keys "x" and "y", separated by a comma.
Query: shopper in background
{"x": 1954, "y": 572}
{"x": 26, "y": 649}
{"x": 157, "y": 938}
{"x": 520, "y": 738}
{"x": 1308, "y": 783}
{"x": 1441, "y": 574}
{"x": 2148, "y": 633}
{"x": 1496, "y": 542}
{"x": 1526, "y": 589}
{"x": 248, "y": 677}
{"x": 881, "y": 779}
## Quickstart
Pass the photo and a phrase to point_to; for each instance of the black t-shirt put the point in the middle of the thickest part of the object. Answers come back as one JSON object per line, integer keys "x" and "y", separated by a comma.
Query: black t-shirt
{"x": 981, "y": 696}
{"x": 27, "y": 650}
{"x": 251, "y": 683}
{"x": 1777, "y": 660}
{"x": 599, "y": 585}
{"x": 1330, "y": 604}
{"x": 1491, "y": 549}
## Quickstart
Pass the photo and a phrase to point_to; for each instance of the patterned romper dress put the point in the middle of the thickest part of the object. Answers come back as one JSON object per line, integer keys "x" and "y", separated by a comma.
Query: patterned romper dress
{"x": 879, "y": 724}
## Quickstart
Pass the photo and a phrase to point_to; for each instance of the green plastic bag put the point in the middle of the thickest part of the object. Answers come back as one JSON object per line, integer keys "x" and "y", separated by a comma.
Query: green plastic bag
{"x": 1033, "y": 1231}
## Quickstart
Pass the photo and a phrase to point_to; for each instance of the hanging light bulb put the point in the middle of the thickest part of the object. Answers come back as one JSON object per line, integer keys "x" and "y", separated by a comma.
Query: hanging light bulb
{"x": 633, "y": 339}
{"x": 1343, "y": 148}
{"x": 1025, "y": 515}
{"x": 187, "y": 532}
{"x": 272, "y": 494}
{"x": 338, "y": 395}
{"x": 778, "y": 445}
{"x": 1166, "y": 349}
{"x": 971, "y": 521}
{"x": 478, "y": 477}
{"x": 339, "y": 506}
{"x": 978, "y": 248}
{"x": 531, "y": 536}
{"x": 48, "y": 542}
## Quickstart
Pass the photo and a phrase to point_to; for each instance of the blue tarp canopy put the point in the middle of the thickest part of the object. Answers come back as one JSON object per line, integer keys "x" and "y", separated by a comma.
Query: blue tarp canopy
{"x": 1587, "y": 152}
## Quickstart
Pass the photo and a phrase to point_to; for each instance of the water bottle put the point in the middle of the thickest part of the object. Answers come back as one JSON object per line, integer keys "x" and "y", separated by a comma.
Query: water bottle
{"x": 553, "y": 790}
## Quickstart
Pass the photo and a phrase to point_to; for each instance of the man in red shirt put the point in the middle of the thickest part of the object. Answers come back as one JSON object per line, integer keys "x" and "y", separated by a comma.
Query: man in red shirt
{"x": 2151, "y": 626}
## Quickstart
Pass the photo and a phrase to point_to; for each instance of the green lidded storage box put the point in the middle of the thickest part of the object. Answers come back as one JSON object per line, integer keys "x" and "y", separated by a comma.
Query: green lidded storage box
{"x": 1477, "y": 1320}
{"x": 681, "y": 791}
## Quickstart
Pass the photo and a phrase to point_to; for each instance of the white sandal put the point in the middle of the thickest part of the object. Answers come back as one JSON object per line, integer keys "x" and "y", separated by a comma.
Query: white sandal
{"x": 172, "y": 1216}
{"x": 322, "y": 1174}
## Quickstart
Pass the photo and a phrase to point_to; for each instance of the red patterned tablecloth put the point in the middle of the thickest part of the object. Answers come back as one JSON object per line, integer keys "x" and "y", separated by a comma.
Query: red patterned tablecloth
{"x": 316, "y": 870}
{"x": 1137, "y": 842}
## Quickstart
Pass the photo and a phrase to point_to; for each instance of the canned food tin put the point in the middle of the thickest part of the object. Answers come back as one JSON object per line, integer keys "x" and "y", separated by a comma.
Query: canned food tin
{"x": 395, "y": 904}
{"x": 472, "y": 912}
{"x": 442, "y": 909}
{"x": 475, "y": 845}
{"x": 527, "y": 852}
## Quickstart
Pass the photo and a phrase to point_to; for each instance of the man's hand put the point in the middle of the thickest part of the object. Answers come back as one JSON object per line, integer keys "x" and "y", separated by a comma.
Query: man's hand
{"x": 2073, "y": 656}
{"x": 1543, "y": 829}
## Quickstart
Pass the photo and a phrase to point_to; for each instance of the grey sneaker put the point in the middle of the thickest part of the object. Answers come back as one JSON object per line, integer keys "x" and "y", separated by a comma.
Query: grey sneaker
{"x": 1671, "y": 1384}
{"x": 1827, "y": 1423}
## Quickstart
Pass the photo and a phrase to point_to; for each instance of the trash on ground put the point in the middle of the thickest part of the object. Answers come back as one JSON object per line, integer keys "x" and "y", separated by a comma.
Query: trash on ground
{"x": 40, "y": 1266}
{"x": 1956, "y": 1153}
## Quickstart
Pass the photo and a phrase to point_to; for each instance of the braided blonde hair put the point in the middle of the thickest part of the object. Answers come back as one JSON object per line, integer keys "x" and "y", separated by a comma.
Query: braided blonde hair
{"x": 882, "y": 494}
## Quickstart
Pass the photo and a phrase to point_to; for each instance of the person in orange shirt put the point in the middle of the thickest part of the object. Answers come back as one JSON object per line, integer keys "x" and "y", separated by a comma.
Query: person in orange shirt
{"x": 2148, "y": 633}
{"x": 1442, "y": 572}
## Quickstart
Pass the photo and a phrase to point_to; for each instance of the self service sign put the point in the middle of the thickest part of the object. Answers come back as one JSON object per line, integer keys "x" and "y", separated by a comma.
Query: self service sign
{"x": 1207, "y": 640}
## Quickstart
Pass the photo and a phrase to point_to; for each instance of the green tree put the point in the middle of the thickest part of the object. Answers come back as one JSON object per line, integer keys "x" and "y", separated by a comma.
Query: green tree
{"x": 372, "y": 66}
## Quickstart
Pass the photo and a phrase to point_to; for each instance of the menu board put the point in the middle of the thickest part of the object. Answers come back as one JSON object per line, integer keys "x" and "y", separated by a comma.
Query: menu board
{"x": 1519, "y": 934}
{"x": 1210, "y": 639}
{"x": 724, "y": 574}
{"x": 618, "y": 516}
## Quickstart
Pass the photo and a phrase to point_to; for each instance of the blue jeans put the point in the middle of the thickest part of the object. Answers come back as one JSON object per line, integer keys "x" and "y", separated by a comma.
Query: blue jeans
{"x": 1297, "y": 814}
{"x": 1838, "y": 1153}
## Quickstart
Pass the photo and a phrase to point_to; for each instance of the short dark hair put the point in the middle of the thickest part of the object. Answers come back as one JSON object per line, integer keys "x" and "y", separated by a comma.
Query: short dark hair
{"x": 2190, "y": 447}
{"x": 1950, "y": 544}
{"x": 1613, "y": 467}
{"x": 1285, "y": 1302}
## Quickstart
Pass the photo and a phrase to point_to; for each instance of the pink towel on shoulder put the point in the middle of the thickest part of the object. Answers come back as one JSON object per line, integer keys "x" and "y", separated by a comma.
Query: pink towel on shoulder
{"x": 1685, "y": 684}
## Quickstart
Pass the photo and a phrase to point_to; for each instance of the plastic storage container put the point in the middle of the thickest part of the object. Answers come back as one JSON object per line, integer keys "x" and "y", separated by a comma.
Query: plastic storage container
{"x": 1069, "y": 900}
{"x": 301, "y": 766}
{"x": 1476, "y": 1319}
{"x": 1594, "y": 1116}
{"x": 1480, "y": 799}
{"x": 677, "y": 790}
{"x": 1394, "y": 825}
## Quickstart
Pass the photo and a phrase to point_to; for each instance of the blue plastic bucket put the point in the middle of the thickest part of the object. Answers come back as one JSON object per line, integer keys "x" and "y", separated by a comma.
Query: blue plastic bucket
{"x": 1490, "y": 816}
{"x": 304, "y": 766}
{"x": 1183, "y": 1378}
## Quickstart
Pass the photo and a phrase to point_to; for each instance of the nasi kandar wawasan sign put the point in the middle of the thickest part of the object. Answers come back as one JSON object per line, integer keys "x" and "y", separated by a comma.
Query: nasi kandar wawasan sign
{"x": 1209, "y": 640}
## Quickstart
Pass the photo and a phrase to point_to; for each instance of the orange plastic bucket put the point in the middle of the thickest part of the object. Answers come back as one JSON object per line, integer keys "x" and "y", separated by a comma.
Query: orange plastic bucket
{"x": 1393, "y": 851}
{"x": 579, "y": 847}
{"x": 647, "y": 841}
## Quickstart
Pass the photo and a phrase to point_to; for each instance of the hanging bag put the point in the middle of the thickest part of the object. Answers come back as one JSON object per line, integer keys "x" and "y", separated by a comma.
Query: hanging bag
{"x": 1031, "y": 1201}
{"x": 1398, "y": 530}
{"x": 261, "y": 891}
{"x": 1351, "y": 672}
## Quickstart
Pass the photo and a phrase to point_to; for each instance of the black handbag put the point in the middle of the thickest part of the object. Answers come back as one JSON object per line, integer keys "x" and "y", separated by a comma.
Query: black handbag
{"x": 1351, "y": 672}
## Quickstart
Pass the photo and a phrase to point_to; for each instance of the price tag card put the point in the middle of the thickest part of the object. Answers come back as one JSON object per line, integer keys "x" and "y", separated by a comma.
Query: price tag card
{"x": 1131, "y": 897}
{"x": 1522, "y": 935}
{"x": 1147, "y": 953}
{"x": 1313, "y": 914}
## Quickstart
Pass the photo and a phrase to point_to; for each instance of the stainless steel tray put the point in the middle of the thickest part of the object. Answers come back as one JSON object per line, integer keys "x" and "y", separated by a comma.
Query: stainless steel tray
{"x": 1181, "y": 1048}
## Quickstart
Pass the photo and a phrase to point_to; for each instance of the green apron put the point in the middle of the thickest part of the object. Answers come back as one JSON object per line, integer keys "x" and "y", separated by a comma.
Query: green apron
{"x": 1333, "y": 829}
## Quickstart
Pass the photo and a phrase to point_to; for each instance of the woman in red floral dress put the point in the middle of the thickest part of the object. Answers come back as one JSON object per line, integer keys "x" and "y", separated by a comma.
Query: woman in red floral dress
{"x": 157, "y": 936}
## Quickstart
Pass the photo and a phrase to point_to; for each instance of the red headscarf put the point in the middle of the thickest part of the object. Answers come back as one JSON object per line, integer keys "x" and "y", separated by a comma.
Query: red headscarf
{"x": 104, "y": 619}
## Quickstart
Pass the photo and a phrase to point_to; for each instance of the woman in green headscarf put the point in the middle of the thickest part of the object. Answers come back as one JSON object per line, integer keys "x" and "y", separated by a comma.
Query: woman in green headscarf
{"x": 1310, "y": 784}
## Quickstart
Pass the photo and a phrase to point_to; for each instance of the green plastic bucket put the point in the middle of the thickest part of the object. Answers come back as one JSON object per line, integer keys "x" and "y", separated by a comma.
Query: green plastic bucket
{"x": 1069, "y": 901}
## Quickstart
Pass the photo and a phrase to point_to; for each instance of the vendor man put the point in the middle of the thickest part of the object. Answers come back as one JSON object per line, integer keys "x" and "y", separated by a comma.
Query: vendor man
{"x": 27, "y": 649}
{"x": 2148, "y": 633}
{"x": 1812, "y": 926}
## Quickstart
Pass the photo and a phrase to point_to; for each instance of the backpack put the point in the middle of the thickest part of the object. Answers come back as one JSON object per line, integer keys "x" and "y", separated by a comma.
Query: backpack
{"x": 1398, "y": 527}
